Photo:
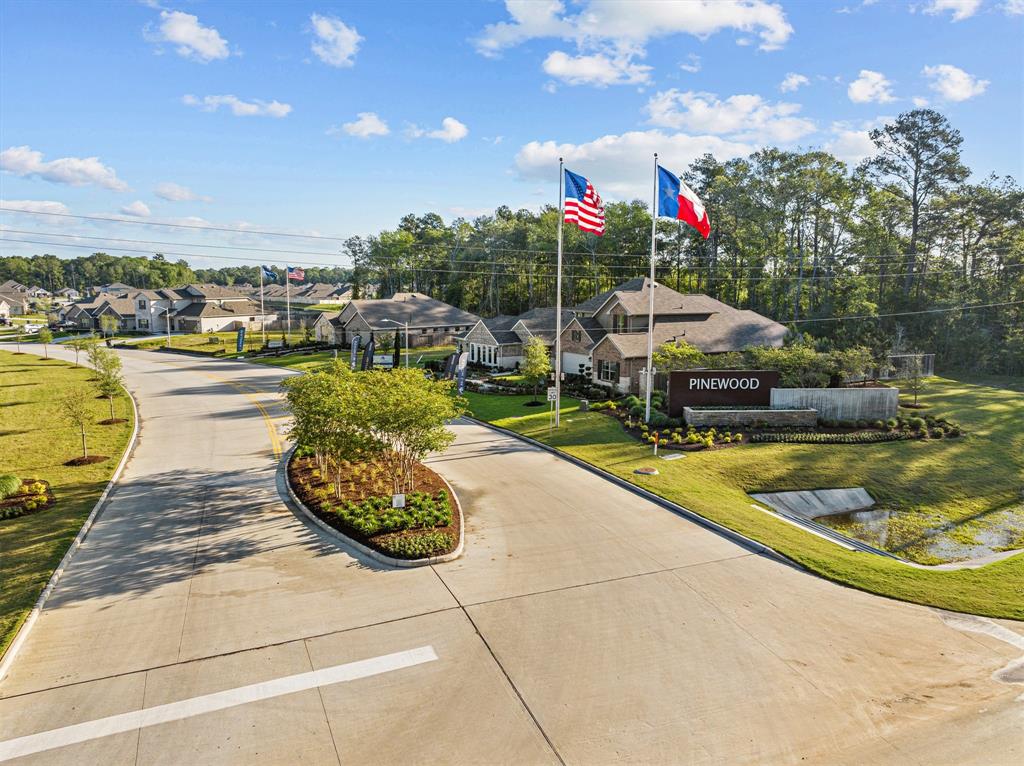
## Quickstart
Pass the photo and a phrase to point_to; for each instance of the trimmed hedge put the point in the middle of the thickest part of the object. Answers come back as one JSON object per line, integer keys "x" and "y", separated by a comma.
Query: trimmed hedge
{"x": 867, "y": 437}
{"x": 9, "y": 485}
{"x": 417, "y": 546}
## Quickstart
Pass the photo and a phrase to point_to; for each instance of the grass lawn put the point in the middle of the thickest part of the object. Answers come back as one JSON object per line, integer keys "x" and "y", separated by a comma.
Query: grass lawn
{"x": 34, "y": 443}
{"x": 220, "y": 343}
{"x": 951, "y": 479}
{"x": 307, "y": 362}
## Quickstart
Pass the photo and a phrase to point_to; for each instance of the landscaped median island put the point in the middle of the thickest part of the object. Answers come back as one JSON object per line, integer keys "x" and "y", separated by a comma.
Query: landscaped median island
{"x": 949, "y": 484}
{"x": 39, "y": 444}
{"x": 360, "y": 442}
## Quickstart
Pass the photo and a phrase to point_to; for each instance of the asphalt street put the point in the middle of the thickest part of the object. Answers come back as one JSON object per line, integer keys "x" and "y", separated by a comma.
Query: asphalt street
{"x": 204, "y": 621}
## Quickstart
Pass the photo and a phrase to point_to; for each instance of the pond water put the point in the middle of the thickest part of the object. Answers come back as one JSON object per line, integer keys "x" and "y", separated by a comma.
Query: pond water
{"x": 933, "y": 540}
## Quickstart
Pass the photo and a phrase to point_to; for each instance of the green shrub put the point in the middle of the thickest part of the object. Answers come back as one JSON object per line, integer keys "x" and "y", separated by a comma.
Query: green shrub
{"x": 868, "y": 437}
{"x": 892, "y": 423}
{"x": 631, "y": 401}
{"x": 878, "y": 424}
{"x": 375, "y": 515}
{"x": 417, "y": 546}
{"x": 636, "y": 411}
{"x": 659, "y": 419}
{"x": 9, "y": 485}
{"x": 917, "y": 423}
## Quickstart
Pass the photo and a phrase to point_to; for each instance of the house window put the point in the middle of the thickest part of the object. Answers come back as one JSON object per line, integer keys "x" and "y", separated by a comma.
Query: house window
{"x": 618, "y": 323}
{"x": 608, "y": 371}
{"x": 142, "y": 304}
{"x": 144, "y": 324}
{"x": 577, "y": 336}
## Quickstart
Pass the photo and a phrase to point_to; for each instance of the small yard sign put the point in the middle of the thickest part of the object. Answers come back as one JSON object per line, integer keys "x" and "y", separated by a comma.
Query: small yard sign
{"x": 398, "y": 501}
{"x": 552, "y": 394}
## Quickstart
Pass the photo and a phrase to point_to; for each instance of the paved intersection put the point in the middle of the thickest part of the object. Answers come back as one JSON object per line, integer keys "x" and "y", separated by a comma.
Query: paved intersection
{"x": 583, "y": 625}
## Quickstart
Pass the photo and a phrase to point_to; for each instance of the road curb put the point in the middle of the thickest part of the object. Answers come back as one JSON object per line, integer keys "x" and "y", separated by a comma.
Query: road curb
{"x": 364, "y": 550}
{"x": 679, "y": 510}
{"x": 22, "y": 635}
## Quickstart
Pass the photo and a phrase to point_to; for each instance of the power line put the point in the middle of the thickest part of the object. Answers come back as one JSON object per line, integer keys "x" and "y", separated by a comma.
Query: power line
{"x": 909, "y": 313}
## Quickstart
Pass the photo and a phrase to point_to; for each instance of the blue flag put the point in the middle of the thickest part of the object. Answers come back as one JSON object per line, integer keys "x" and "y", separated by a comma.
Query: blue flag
{"x": 268, "y": 274}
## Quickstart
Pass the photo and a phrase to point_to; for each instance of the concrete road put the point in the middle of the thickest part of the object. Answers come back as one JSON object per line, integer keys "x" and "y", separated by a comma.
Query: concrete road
{"x": 204, "y": 622}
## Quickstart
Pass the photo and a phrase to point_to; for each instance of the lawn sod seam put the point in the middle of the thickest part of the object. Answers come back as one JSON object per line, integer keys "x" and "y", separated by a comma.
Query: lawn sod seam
{"x": 973, "y": 474}
{"x": 34, "y": 441}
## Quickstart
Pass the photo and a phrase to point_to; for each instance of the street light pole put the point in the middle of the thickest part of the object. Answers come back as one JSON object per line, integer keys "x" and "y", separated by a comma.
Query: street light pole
{"x": 404, "y": 325}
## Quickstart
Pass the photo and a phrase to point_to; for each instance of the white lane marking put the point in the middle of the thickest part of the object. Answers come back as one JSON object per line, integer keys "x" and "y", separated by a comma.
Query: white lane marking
{"x": 208, "y": 703}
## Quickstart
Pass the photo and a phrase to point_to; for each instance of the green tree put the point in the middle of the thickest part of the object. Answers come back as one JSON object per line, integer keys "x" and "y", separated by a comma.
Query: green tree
{"x": 679, "y": 355}
{"x": 75, "y": 410}
{"x": 110, "y": 380}
{"x": 45, "y": 337}
{"x": 913, "y": 379}
{"x": 80, "y": 343}
{"x": 920, "y": 154}
{"x": 108, "y": 325}
{"x": 536, "y": 364}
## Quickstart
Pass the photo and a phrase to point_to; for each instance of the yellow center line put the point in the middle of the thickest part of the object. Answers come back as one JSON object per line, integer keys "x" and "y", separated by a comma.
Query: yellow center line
{"x": 268, "y": 420}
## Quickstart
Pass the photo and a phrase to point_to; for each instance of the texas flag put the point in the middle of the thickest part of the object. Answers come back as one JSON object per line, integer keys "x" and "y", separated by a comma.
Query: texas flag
{"x": 677, "y": 200}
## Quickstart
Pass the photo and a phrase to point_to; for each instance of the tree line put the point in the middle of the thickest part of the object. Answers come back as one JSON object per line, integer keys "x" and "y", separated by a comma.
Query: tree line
{"x": 796, "y": 235}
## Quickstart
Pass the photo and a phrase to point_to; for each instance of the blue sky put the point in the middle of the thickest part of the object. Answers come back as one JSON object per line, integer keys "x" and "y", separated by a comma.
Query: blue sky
{"x": 338, "y": 118}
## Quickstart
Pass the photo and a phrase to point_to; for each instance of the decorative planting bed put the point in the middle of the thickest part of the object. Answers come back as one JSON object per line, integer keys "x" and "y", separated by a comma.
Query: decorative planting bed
{"x": 30, "y": 496}
{"x": 360, "y": 507}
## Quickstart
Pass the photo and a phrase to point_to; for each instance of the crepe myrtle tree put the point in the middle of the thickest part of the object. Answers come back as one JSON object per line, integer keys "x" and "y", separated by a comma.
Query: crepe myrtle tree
{"x": 536, "y": 364}
{"x": 407, "y": 414}
{"x": 81, "y": 343}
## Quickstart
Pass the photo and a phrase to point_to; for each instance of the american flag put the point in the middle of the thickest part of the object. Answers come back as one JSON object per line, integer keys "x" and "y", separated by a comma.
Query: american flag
{"x": 583, "y": 205}
{"x": 295, "y": 272}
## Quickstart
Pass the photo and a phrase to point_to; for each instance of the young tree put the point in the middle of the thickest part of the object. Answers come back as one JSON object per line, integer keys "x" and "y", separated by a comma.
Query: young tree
{"x": 536, "y": 364}
{"x": 397, "y": 360}
{"x": 75, "y": 409}
{"x": 80, "y": 343}
{"x": 108, "y": 325}
{"x": 110, "y": 380}
{"x": 45, "y": 337}
{"x": 913, "y": 376}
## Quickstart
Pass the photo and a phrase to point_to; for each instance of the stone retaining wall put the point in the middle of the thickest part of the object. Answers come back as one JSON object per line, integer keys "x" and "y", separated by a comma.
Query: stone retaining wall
{"x": 773, "y": 418}
{"x": 841, "y": 403}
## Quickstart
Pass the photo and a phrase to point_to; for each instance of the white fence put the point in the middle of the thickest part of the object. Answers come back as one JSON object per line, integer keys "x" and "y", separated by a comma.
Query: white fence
{"x": 840, "y": 403}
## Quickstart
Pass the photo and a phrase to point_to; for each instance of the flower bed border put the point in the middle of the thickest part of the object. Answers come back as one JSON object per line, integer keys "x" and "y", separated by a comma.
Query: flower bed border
{"x": 362, "y": 548}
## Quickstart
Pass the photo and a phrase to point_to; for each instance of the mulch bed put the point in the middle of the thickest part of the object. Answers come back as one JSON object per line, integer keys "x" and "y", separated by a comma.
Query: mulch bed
{"x": 87, "y": 460}
{"x": 305, "y": 485}
{"x": 112, "y": 421}
{"x": 12, "y": 507}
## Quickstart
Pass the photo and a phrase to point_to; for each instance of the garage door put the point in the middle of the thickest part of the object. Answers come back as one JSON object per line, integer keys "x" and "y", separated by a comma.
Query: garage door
{"x": 571, "y": 362}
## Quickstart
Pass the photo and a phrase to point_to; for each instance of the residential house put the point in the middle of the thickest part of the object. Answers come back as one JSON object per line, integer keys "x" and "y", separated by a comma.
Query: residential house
{"x": 431, "y": 322}
{"x": 307, "y": 294}
{"x": 619, "y": 355}
{"x": 13, "y": 286}
{"x": 605, "y": 338}
{"x": 17, "y": 302}
{"x": 113, "y": 288}
{"x": 66, "y": 295}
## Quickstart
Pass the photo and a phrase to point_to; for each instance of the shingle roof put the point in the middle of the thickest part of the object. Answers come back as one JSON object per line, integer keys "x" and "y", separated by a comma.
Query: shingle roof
{"x": 593, "y": 328}
{"x": 229, "y": 309}
{"x": 730, "y": 330}
{"x": 541, "y": 322}
{"x": 417, "y": 309}
{"x": 124, "y": 306}
{"x": 593, "y": 304}
{"x": 210, "y": 292}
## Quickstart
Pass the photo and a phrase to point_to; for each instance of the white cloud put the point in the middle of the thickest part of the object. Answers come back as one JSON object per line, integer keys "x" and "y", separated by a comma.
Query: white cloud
{"x": 616, "y": 164}
{"x": 1013, "y": 7}
{"x": 793, "y": 81}
{"x": 634, "y": 22}
{"x": 336, "y": 43}
{"x": 33, "y": 206}
{"x": 239, "y": 108}
{"x": 366, "y": 125}
{"x": 870, "y": 87}
{"x": 953, "y": 83}
{"x": 74, "y": 171}
{"x": 692, "y": 64}
{"x": 451, "y": 130}
{"x": 173, "y": 192}
{"x": 850, "y": 142}
{"x": 193, "y": 40}
{"x": 597, "y": 69}
{"x": 961, "y": 9}
{"x": 138, "y": 208}
{"x": 919, "y": 101}
{"x": 743, "y": 117}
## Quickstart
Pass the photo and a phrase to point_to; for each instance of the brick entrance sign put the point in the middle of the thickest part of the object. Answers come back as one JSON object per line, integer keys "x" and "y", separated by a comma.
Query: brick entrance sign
{"x": 696, "y": 388}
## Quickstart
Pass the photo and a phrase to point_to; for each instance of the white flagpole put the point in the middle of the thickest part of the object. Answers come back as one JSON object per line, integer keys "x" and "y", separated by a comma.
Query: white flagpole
{"x": 558, "y": 296}
{"x": 650, "y": 302}
{"x": 263, "y": 313}
{"x": 288, "y": 302}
